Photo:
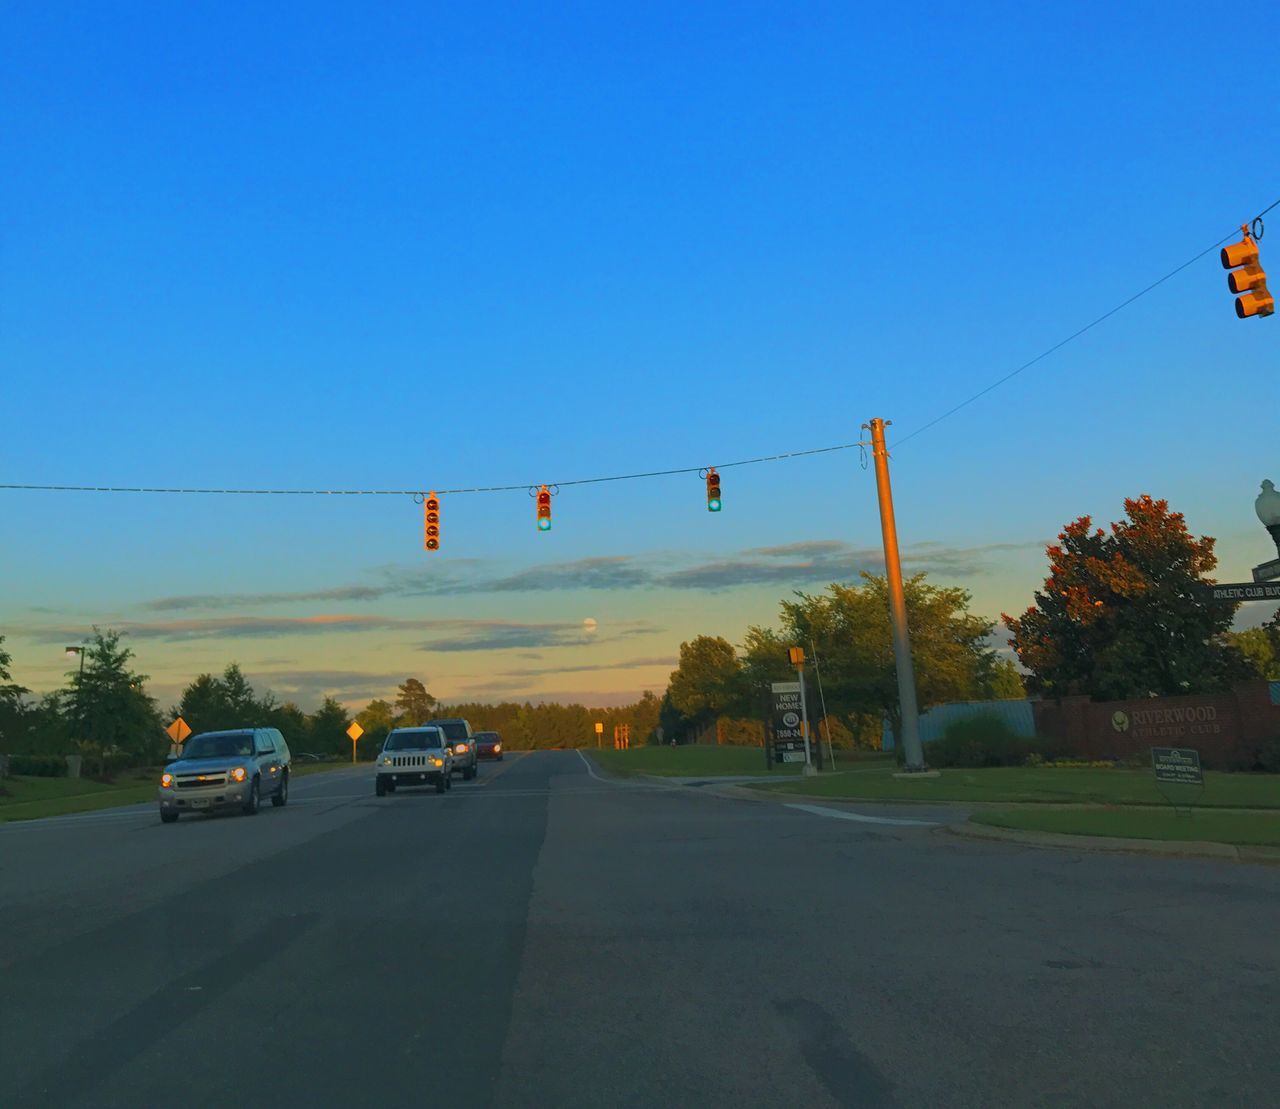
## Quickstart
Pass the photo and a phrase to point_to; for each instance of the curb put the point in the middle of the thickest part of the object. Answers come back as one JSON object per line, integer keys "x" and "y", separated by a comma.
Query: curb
{"x": 1168, "y": 848}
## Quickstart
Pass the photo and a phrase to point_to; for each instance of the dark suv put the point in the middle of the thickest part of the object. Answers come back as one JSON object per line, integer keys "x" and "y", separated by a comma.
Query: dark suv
{"x": 226, "y": 770}
{"x": 462, "y": 743}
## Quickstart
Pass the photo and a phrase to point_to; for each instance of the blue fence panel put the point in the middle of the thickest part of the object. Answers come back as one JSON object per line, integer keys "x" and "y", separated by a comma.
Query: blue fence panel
{"x": 1016, "y": 714}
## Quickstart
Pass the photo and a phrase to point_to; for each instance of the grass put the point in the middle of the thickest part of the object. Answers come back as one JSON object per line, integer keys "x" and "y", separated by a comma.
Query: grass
{"x": 1042, "y": 785}
{"x": 695, "y": 761}
{"x": 1205, "y": 825}
{"x": 31, "y": 798}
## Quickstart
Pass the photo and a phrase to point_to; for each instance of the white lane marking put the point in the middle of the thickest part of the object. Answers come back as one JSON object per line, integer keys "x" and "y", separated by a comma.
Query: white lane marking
{"x": 841, "y": 814}
{"x": 624, "y": 783}
{"x": 590, "y": 769}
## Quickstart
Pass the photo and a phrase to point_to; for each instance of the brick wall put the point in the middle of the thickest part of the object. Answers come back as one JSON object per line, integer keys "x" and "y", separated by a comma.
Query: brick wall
{"x": 1225, "y": 728}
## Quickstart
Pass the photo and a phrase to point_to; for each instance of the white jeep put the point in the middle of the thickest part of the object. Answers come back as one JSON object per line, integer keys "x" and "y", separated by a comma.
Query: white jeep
{"x": 414, "y": 757}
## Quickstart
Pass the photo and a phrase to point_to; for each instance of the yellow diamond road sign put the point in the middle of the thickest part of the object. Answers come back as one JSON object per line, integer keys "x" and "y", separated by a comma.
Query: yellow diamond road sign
{"x": 355, "y": 731}
{"x": 178, "y": 730}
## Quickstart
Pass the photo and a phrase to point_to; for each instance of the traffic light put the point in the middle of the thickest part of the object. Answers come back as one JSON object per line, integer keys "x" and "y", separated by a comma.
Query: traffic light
{"x": 431, "y": 522}
{"x": 713, "y": 490}
{"x": 544, "y": 508}
{"x": 1247, "y": 278}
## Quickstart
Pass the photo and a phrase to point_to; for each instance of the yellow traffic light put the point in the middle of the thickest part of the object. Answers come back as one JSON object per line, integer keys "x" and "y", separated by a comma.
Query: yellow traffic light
{"x": 431, "y": 522}
{"x": 1247, "y": 278}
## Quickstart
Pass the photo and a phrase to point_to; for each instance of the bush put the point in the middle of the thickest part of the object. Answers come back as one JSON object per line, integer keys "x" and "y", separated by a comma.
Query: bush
{"x": 980, "y": 740}
{"x": 38, "y": 766}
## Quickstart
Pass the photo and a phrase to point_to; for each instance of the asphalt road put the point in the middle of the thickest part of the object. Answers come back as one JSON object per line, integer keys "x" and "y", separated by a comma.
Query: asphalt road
{"x": 543, "y": 937}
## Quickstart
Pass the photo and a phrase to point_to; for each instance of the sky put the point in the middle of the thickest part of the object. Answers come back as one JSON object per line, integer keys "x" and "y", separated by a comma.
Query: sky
{"x": 422, "y": 246}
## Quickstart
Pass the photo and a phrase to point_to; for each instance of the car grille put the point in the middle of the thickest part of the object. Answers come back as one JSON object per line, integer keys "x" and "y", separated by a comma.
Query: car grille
{"x": 202, "y": 781}
{"x": 411, "y": 760}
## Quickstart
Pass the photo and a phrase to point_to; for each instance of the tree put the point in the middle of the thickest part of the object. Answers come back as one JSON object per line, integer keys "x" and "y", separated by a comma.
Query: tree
{"x": 1260, "y": 647}
{"x": 377, "y": 719}
{"x": 328, "y": 729}
{"x": 12, "y": 708}
{"x": 1001, "y": 681}
{"x": 1125, "y": 615}
{"x": 848, "y": 625}
{"x": 212, "y": 704}
{"x": 113, "y": 715}
{"x": 708, "y": 681}
{"x": 414, "y": 702}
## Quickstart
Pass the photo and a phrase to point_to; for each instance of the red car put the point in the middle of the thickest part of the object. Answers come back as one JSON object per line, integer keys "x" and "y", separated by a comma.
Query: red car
{"x": 488, "y": 745}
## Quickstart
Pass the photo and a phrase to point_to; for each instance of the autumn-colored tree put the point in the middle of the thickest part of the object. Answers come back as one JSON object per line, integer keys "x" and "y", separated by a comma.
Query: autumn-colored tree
{"x": 1125, "y": 615}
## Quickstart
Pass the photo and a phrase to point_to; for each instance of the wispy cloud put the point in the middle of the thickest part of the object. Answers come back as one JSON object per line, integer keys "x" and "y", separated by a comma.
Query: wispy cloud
{"x": 496, "y": 636}
{"x": 207, "y": 601}
{"x": 784, "y": 565}
{"x": 664, "y": 661}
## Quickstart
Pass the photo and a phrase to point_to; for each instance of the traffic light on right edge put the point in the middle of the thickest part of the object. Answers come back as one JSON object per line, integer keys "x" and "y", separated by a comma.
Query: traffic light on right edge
{"x": 713, "y": 490}
{"x": 431, "y": 522}
{"x": 1248, "y": 281}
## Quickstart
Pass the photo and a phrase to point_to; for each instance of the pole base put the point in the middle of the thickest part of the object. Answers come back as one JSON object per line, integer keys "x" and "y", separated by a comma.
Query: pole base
{"x": 810, "y": 771}
{"x": 923, "y": 772}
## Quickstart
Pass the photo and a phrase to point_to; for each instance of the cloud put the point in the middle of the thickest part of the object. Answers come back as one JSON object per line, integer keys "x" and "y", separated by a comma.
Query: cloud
{"x": 499, "y": 636}
{"x": 667, "y": 661}
{"x": 611, "y": 572}
{"x": 456, "y": 634}
{"x": 254, "y": 600}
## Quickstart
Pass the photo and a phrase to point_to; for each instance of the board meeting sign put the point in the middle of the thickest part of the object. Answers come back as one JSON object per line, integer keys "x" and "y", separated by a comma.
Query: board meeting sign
{"x": 788, "y": 736}
{"x": 1177, "y": 764}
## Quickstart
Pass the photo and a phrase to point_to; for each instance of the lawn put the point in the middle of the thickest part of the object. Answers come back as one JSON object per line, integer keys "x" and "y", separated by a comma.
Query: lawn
{"x": 1052, "y": 786}
{"x": 1204, "y": 825}
{"x": 696, "y": 761}
{"x": 29, "y": 798}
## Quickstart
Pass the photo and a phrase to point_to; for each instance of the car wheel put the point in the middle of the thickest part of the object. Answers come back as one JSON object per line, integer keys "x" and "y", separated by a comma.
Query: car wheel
{"x": 441, "y": 784}
{"x": 281, "y": 796}
{"x": 251, "y": 806}
{"x": 168, "y": 817}
{"x": 380, "y": 787}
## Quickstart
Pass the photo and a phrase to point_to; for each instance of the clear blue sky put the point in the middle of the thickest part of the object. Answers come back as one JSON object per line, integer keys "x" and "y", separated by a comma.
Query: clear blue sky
{"x": 436, "y": 246}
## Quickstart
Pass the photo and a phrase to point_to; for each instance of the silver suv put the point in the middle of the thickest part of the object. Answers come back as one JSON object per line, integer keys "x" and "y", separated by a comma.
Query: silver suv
{"x": 414, "y": 757}
{"x": 226, "y": 770}
{"x": 462, "y": 742}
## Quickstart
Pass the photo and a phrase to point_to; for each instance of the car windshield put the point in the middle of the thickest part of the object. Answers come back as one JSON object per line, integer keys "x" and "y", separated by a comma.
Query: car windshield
{"x": 216, "y": 745}
{"x": 486, "y": 737}
{"x": 412, "y": 741}
{"x": 456, "y": 730}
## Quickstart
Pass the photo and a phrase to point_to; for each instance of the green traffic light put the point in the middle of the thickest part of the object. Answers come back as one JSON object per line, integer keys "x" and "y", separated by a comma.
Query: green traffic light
{"x": 544, "y": 524}
{"x": 713, "y": 505}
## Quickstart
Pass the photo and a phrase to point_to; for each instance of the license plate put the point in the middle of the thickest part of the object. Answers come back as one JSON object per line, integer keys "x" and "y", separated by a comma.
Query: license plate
{"x": 199, "y": 804}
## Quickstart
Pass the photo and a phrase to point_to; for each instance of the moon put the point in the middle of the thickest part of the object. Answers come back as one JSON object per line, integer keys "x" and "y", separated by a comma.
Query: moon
{"x": 589, "y": 625}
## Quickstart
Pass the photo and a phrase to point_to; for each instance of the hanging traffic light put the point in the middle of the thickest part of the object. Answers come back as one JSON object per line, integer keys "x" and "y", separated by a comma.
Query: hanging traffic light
{"x": 1248, "y": 281}
{"x": 713, "y": 490}
{"x": 431, "y": 522}
{"x": 544, "y": 508}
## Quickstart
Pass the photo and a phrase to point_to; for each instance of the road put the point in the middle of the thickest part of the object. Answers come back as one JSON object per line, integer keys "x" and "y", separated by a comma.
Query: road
{"x": 545, "y": 937}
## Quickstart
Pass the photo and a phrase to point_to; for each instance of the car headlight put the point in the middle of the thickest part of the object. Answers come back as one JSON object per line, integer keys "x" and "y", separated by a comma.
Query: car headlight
{"x": 239, "y": 774}
{"x": 437, "y": 762}
{"x": 166, "y": 779}
{"x": 386, "y": 760}
{"x": 497, "y": 747}
{"x": 461, "y": 749}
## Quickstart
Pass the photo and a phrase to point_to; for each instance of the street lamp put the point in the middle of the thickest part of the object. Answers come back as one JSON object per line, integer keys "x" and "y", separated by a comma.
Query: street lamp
{"x": 1268, "y": 508}
{"x": 79, "y": 688}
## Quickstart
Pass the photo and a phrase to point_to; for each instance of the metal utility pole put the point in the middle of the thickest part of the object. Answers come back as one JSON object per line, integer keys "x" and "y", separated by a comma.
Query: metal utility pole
{"x": 817, "y": 669}
{"x": 796, "y": 655}
{"x": 910, "y": 736}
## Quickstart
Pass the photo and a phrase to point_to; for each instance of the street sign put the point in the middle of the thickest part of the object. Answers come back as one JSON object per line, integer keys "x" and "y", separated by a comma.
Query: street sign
{"x": 1243, "y": 591}
{"x": 788, "y": 735}
{"x": 355, "y": 731}
{"x": 599, "y": 727}
{"x": 178, "y": 730}
{"x": 1267, "y": 571}
{"x": 1177, "y": 764}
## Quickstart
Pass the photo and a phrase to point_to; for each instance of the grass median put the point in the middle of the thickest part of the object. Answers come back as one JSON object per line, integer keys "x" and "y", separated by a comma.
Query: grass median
{"x": 706, "y": 760}
{"x": 1028, "y": 785}
{"x": 26, "y": 798}
{"x": 1201, "y": 825}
